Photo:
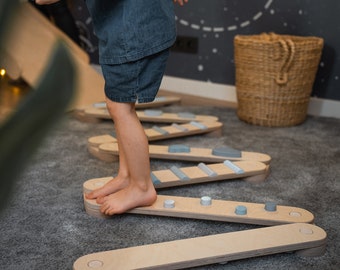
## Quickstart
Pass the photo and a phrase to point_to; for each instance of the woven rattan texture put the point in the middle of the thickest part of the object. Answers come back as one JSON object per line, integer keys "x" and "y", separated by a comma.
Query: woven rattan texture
{"x": 274, "y": 77}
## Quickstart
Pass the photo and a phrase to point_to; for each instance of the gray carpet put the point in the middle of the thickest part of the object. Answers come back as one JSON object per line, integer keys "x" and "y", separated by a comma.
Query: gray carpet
{"x": 45, "y": 225}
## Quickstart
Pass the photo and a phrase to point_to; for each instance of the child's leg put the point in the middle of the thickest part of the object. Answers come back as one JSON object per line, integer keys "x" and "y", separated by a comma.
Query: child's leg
{"x": 117, "y": 183}
{"x": 134, "y": 146}
{"x": 123, "y": 84}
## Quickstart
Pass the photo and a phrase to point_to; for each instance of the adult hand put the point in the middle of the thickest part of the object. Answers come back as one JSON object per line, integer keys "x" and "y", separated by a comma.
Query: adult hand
{"x": 181, "y": 2}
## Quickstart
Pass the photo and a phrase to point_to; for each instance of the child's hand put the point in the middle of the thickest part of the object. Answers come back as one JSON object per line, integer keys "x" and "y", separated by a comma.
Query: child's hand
{"x": 181, "y": 2}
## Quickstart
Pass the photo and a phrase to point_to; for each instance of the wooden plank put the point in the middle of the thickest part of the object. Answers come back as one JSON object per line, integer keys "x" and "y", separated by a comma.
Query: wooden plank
{"x": 212, "y": 128}
{"x": 167, "y": 178}
{"x": 95, "y": 141}
{"x": 218, "y": 210}
{"x": 146, "y": 116}
{"x": 81, "y": 115}
{"x": 158, "y": 102}
{"x": 196, "y": 176}
{"x": 195, "y": 154}
{"x": 31, "y": 44}
{"x": 219, "y": 248}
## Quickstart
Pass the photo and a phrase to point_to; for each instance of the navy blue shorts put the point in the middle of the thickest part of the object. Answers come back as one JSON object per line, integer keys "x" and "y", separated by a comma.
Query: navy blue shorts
{"x": 135, "y": 81}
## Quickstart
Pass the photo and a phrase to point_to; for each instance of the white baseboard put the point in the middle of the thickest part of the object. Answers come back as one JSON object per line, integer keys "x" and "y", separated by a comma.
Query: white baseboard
{"x": 324, "y": 107}
{"x": 317, "y": 106}
{"x": 199, "y": 88}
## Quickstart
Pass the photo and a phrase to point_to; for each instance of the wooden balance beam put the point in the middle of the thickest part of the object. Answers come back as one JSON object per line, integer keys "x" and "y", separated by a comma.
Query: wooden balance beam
{"x": 82, "y": 115}
{"x": 160, "y": 133}
{"x": 109, "y": 152}
{"x": 155, "y": 116}
{"x": 307, "y": 239}
{"x": 167, "y": 132}
{"x": 250, "y": 171}
{"x": 267, "y": 214}
{"x": 158, "y": 102}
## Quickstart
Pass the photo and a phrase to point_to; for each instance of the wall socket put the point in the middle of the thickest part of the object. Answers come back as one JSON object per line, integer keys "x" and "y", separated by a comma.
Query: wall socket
{"x": 185, "y": 44}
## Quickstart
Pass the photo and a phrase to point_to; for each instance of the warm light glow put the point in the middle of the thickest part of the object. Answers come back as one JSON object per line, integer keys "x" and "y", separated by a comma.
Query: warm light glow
{"x": 16, "y": 91}
{"x": 2, "y": 72}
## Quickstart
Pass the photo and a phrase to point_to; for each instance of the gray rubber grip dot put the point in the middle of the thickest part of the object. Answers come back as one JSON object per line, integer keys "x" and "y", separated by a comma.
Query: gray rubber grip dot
{"x": 99, "y": 105}
{"x": 160, "y": 130}
{"x": 178, "y": 148}
{"x": 178, "y": 172}
{"x": 169, "y": 204}
{"x": 226, "y": 152}
{"x": 154, "y": 179}
{"x": 186, "y": 115}
{"x": 153, "y": 112}
{"x": 179, "y": 127}
{"x": 240, "y": 210}
{"x": 160, "y": 98}
{"x": 270, "y": 206}
{"x": 206, "y": 200}
{"x": 207, "y": 170}
{"x": 232, "y": 166}
{"x": 198, "y": 125}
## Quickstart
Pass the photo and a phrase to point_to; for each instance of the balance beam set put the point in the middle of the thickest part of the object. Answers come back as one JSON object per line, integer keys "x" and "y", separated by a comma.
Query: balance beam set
{"x": 290, "y": 226}
{"x": 33, "y": 38}
{"x": 290, "y": 231}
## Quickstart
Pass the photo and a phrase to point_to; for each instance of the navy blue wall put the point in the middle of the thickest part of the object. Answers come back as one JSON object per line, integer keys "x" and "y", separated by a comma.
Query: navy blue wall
{"x": 216, "y": 22}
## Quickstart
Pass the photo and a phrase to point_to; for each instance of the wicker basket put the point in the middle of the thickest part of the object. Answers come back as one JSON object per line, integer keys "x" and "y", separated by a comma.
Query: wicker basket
{"x": 274, "y": 77}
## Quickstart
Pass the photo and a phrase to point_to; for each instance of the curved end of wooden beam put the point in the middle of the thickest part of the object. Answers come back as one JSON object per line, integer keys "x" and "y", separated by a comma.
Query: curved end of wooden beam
{"x": 255, "y": 179}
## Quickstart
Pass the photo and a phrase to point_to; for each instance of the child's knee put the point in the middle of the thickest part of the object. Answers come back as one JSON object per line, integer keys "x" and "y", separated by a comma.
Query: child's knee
{"x": 119, "y": 109}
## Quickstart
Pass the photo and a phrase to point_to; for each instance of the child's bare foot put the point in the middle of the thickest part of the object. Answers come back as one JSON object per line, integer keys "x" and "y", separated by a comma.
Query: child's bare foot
{"x": 110, "y": 187}
{"x": 125, "y": 199}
